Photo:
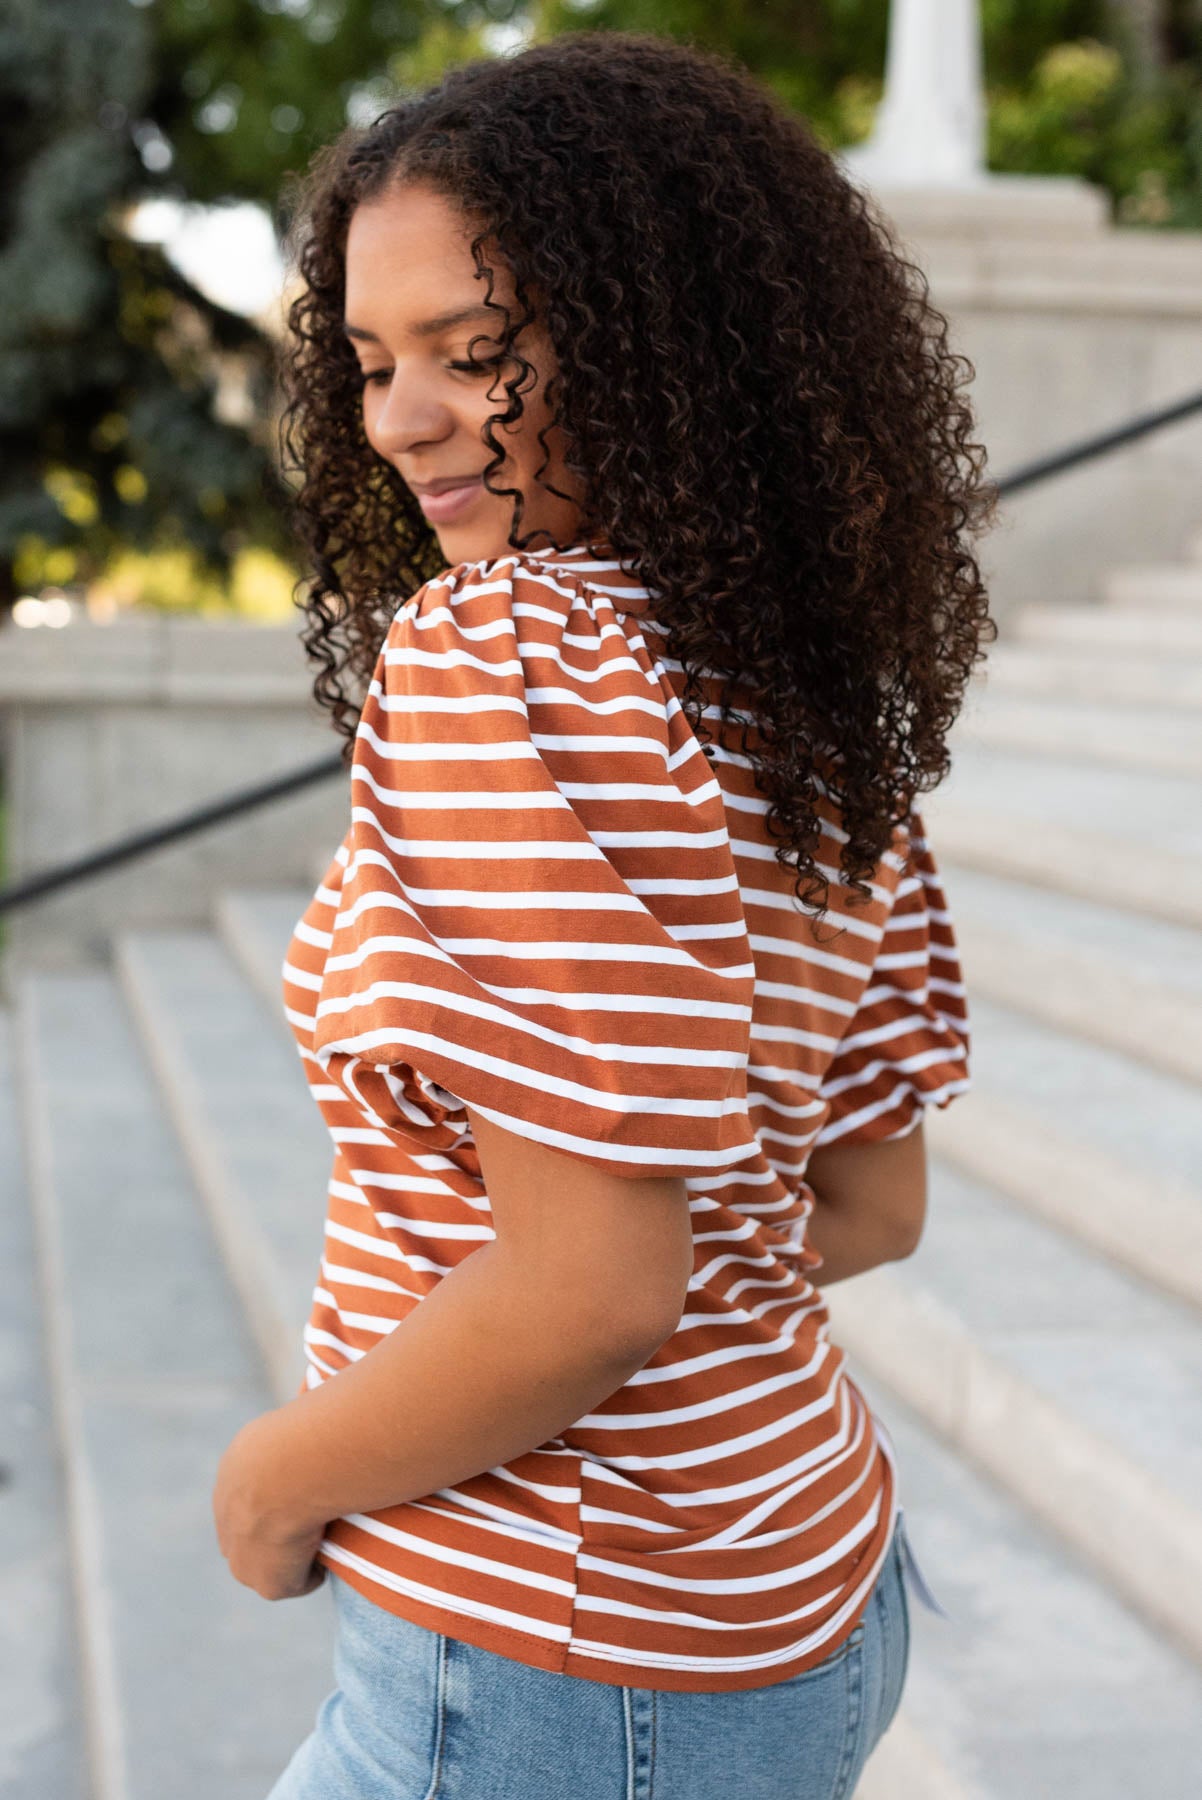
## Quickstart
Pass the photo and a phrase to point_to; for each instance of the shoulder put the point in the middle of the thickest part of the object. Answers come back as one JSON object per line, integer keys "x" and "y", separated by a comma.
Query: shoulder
{"x": 591, "y": 582}
{"x": 502, "y": 586}
{"x": 528, "y": 653}
{"x": 527, "y": 616}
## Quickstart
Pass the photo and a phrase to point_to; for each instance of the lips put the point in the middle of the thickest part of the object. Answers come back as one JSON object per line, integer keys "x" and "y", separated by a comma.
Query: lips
{"x": 444, "y": 483}
{"x": 442, "y": 505}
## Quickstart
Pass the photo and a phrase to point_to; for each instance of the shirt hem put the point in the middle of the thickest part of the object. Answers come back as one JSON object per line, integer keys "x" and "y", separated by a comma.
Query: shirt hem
{"x": 561, "y": 1659}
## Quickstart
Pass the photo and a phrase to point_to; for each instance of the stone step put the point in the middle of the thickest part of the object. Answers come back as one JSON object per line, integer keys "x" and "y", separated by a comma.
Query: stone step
{"x": 1067, "y": 674}
{"x": 1147, "y": 1223}
{"x": 256, "y": 1145}
{"x": 1042, "y": 1683}
{"x": 1157, "y": 740}
{"x": 1156, "y": 587}
{"x": 320, "y": 859}
{"x": 1090, "y": 865}
{"x": 1098, "y": 630}
{"x": 1130, "y": 1112}
{"x": 1073, "y": 1385}
{"x": 255, "y": 925}
{"x": 1150, "y": 949}
{"x": 43, "y": 1749}
{"x": 1146, "y": 811}
{"x": 1086, "y": 1137}
{"x": 195, "y": 1686}
{"x": 1094, "y": 971}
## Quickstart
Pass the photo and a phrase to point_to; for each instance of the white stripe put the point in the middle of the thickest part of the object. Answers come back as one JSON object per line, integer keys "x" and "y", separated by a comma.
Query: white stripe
{"x": 359, "y": 1043}
{"x": 452, "y": 1604}
{"x": 635, "y": 1153}
{"x": 580, "y": 950}
{"x": 575, "y": 1001}
{"x": 459, "y": 1558}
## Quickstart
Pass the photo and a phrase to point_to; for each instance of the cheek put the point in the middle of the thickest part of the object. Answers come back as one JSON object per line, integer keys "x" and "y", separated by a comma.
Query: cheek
{"x": 474, "y": 408}
{"x": 522, "y": 436}
{"x": 372, "y": 406}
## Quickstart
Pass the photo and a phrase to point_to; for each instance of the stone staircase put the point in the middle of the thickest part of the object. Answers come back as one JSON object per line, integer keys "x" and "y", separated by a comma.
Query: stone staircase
{"x": 1038, "y": 1361}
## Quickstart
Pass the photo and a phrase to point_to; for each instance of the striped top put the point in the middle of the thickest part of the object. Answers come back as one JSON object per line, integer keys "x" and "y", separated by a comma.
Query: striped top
{"x": 553, "y": 905}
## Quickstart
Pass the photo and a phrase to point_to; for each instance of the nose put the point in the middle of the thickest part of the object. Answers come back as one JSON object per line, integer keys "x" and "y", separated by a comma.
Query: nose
{"x": 407, "y": 416}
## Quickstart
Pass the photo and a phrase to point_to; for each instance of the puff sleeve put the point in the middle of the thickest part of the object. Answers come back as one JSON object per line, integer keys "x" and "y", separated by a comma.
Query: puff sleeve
{"x": 539, "y": 914}
{"x": 907, "y": 1045}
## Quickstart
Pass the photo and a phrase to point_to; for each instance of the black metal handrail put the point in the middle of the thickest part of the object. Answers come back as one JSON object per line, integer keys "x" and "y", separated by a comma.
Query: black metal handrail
{"x": 48, "y": 881}
{"x": 123, "y": 849}
{"x": 1088, "y": 448}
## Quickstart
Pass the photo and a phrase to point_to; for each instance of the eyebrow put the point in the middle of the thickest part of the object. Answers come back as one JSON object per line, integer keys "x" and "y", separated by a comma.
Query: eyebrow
{"x": 429, "y": 327}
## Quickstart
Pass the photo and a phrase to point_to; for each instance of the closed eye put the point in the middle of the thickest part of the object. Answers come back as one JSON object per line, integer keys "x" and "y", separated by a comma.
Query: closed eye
{"x": 373, "y": 377}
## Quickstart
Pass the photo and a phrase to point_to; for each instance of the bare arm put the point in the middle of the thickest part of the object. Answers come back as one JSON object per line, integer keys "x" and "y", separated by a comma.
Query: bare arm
{"x": 587, "y": 1275}
{"x": 871, "y": 1204}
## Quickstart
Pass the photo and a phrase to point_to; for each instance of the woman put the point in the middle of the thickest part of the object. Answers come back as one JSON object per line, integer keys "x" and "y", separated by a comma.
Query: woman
{"x": 632, "y": 477}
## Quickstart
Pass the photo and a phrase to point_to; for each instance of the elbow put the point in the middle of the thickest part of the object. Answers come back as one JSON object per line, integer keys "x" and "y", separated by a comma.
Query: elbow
{"x": 906, "y": 1224}
{"x": 635, "y": 1326}
{"x": 635, "y": 1337}
{"x": 905, "y": 1241}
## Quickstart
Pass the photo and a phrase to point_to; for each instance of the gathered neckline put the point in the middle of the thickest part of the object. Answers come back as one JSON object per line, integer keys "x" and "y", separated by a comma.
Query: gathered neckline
{"x": 603, "y": 559}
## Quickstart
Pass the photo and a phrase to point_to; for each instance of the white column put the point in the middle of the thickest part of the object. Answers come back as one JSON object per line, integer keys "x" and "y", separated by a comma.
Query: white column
{"x": 930, "y": 126}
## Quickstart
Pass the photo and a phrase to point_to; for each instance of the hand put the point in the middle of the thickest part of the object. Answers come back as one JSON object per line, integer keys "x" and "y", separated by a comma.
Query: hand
{"x": 266, "y": 1548}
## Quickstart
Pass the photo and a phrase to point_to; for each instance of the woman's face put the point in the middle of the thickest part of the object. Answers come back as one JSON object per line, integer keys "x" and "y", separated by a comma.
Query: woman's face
{"x": 413, "y": 304}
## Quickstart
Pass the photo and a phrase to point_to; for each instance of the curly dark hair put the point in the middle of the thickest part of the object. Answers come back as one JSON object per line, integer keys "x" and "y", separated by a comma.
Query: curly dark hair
{"x": 758, "y": 396}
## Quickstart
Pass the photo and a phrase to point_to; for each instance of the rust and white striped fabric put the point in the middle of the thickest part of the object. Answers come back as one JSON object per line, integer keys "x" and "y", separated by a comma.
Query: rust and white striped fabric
{"x": 552, "y": 905}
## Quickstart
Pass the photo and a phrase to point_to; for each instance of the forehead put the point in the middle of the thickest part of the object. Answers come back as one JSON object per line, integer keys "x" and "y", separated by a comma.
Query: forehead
{"x": 409, "y": 251}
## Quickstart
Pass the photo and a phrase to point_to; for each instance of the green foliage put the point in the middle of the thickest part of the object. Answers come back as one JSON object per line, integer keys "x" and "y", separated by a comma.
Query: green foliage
{"x": 1017, "y": 33}
{"x": 110, "y": 362}
{"x": 824, "y": 58}
{"x": 1084, "y": 112}
{"x": 259, "y": 587}
{"x": 244, "y": 91}
{"x": 112, "y": 365}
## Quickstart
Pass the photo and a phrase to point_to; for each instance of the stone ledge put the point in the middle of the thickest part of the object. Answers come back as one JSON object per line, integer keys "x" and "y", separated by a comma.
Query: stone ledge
{"x": 1055, "y": 207}
{"x": 186, "y": 661}
{"x": 1041, "y": 245}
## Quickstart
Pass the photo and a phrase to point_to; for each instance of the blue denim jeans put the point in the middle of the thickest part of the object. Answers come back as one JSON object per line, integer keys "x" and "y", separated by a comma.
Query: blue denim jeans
{"x": 417, "y": 1715}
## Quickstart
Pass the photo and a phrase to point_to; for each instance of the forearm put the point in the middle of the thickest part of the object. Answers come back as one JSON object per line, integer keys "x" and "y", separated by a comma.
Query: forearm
{"x": 487, "y": 1367}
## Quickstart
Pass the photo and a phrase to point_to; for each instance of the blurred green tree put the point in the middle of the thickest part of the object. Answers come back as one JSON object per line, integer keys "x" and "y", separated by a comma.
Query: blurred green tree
{"x": 245, "y": 90}
{"x": 133, "y": 409}
{"x": 111, "y": 427}
{"x": 1118, "y": 101}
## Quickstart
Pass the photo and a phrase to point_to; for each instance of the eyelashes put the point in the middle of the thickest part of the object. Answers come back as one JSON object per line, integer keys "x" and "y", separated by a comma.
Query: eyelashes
{"x": 374, "y": 377}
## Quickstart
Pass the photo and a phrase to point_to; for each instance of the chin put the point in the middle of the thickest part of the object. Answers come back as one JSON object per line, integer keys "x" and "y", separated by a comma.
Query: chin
{"x": 470, "y": 542}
